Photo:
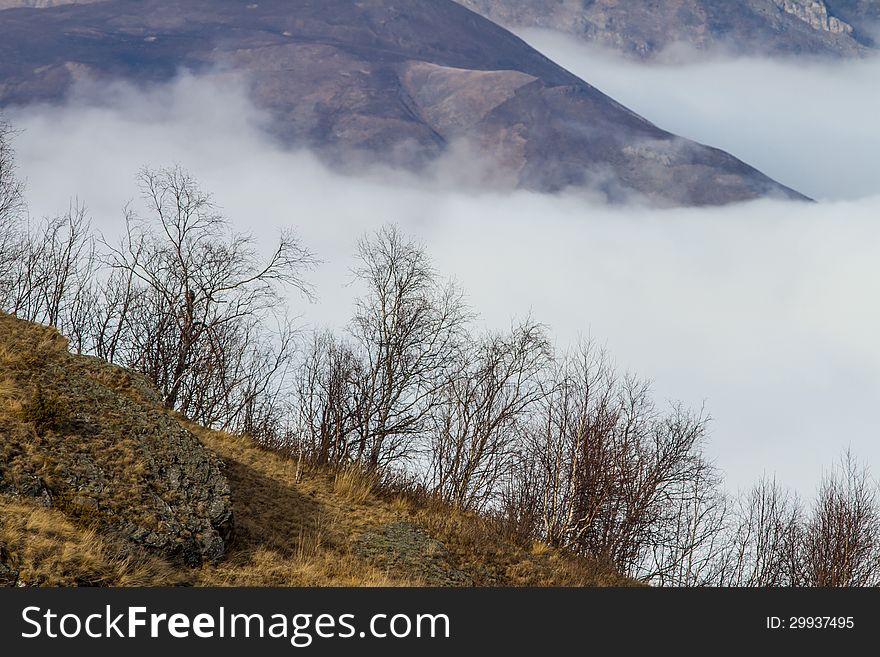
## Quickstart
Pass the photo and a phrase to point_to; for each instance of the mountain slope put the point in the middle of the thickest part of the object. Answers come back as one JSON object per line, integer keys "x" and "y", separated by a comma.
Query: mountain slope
{"x": 863, "y": 15}
{"x": 88, "y": 497}
{"x": 644, "y": 29}
{"x": 399, "y": 81}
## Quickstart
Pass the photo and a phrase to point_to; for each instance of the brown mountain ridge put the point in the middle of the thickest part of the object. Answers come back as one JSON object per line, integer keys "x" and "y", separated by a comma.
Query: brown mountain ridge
{"x": 397, "y": 81}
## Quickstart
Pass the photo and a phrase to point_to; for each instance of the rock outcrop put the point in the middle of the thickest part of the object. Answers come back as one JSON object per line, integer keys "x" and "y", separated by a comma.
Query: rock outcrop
{"x": 409, "y": 551}
{"x": 91, "y": 441}
{"x": 754, "y": 27}
{"x": 815, "y": 14}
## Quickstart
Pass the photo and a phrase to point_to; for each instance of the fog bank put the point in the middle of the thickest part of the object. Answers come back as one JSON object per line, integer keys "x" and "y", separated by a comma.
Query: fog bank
{"x": 764, "y": 311}
{"x": 810, "y": 124}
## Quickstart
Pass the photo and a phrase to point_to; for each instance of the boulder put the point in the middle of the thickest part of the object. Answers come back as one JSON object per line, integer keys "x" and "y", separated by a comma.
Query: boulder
{"x": 112, "y": 459}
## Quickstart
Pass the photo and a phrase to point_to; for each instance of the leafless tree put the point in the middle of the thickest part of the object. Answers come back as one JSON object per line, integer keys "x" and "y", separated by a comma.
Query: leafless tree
{"x": 690, "y": 550}
{"x": 408, "y": 332}
{"x": 328, "y": 400}
{"x": 187, "y": 297}
{"x": 612, "y": 475}
{"x": 52, "y": 278}
{"x": 774, "y": 541}
{"x": 11, "y": 187}
{"x": 567, "y": 439}
{"x": 473, "y": 436}
{"x": 841, "y": 539}
{"x": 765, "y": 539}
{"x": 12, "y": 209}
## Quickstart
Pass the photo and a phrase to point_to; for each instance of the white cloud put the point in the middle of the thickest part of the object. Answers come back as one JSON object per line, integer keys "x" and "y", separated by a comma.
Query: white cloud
{"x": 810, "y": 124}
{"x": 767, "y": 311}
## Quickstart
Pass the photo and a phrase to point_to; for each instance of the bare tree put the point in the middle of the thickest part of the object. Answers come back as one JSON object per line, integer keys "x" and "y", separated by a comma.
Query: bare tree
{"x": 569, "y": 440}
{"x": 51, "y": 280}
{"x": 613, "y": 475}
{"x": 774, "y": 542}
{"x": 473, "y": 436}
{"x": 408, "y": 330}
{"x": 188, "y": 296}
{"x": 690, "y": 550}
{"x": 329, "y": 401}
{"x": 842, "y": 536}
{"x": 11, "y": 187}
{"x": 765, "y": 539}
{"x": 12, "y": 209}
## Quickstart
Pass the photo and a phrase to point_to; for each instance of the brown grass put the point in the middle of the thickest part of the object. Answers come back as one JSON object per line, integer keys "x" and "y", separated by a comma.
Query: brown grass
{"x": 49, "y": 550}
{"x": 292, "y": 527}
{"x": 354, "y": 484}
{"x": 295, "y": 525}
{"x": 304, "y": 532}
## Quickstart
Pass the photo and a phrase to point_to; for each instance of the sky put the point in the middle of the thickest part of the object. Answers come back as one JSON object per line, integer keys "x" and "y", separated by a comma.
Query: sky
{"x": 765, "y": 312}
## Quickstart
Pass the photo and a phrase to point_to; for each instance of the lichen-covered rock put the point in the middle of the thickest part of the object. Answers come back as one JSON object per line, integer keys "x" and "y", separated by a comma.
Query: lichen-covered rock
{"x": 407, "y": 550}
{"x": 116, "y": 461}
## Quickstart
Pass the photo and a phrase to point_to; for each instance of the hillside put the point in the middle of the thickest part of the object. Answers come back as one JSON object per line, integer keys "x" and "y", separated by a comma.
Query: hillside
{"x": 840, "y": 28}
{"x": 400, "y": 83}
{"x": 101, "y": 486}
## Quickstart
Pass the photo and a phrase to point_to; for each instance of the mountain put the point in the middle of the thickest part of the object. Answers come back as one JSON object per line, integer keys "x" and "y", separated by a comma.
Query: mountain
{"x": 100, "y": 485}
{"x": 398, "y": 81}
{"x": 644, "y": 29}
{"x": 41, "y": 4}
{"x": 863, "y": 15}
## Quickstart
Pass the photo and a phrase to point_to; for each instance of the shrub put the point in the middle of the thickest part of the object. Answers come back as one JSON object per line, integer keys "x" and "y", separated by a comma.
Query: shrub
{"x": 44, "y": 411}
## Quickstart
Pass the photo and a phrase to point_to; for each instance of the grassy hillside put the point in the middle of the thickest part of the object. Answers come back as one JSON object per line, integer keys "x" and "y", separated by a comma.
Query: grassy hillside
{"x": 67, "y": 421}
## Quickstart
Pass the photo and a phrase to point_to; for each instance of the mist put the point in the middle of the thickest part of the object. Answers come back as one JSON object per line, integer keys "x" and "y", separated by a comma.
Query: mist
{"x": 763, "y": 311}
{"x": 810, "y": 124}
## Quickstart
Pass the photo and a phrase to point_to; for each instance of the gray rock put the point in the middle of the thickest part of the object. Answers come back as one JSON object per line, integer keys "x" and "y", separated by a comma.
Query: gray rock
{"x": 839, "y": 28}
{"x": 123, "y": 465}
{"x": 407, "y": 550}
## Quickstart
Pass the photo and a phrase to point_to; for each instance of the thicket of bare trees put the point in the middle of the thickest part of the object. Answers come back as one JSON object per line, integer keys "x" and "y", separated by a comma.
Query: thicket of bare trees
{"x": 190, "y": 304}
{"x": 776, "y": 540}
{"x": 181, "y": 298}
{"x": 560, "y": 447}
{"x": 604, "y": 472}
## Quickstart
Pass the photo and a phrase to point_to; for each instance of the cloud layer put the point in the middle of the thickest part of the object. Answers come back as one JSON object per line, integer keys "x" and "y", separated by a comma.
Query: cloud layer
{"x": 810, "y": 124}
{"x": 766, "y": 311}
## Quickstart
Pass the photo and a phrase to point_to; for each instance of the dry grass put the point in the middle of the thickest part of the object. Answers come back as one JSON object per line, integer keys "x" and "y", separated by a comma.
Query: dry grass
{"x": 292, "y": 526}
{"x": 301, "y": 528}
{"x": 354, "y": 484}
{"x": 493, "y": 559}
{"x": 295, "y": 525}
{"x": 49, "y": 550}
{"x": 539, "y": 549}
{"x": 27, "y": 346}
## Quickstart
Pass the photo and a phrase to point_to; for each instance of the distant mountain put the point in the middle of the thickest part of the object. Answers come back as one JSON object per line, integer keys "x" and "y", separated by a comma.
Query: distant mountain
{"x": 41, "y": 4}
{"x": 644, "y": 29}
{"x": 401, "y": 81}
{"x": 863, "y": 15}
